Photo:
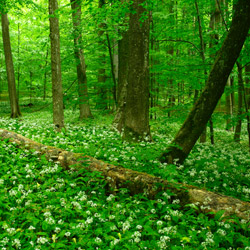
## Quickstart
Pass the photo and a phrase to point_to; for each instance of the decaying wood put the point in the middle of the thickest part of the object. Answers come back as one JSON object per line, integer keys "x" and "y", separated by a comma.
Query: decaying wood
{"x": 136, "y": 182}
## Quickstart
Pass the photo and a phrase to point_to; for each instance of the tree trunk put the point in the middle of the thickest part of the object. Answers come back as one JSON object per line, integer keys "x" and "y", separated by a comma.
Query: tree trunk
{"x": 102, "y": 102}
{"x": 136, "y": 125}
{"x": 229, "y": 107}
{"x": 111, "y": 57}
{"x": 136, "y": 182}
{"x": 57, "y": 92}
{"x": 18, "y": 59}
{"x": 240, "y": 102}
{"x": 221, "y": 69}
{"x": 247, "y": 73}
{"x": 123, "y": 55}
{"x": 15, "y": 109}
{"x": 170, "y": 52}
{"x": 45, "y": 73}
{"x": 203, "y": 136}
{"x": 80, "y": 61}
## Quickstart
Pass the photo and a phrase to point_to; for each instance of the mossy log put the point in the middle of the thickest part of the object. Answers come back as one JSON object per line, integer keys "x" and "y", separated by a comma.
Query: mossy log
{"x": 136, "y": 182}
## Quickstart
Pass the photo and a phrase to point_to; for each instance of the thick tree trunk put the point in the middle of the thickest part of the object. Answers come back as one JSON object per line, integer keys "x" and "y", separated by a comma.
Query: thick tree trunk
{"x": 80, "y": 61}
{"x": 15, "y": 109}
{"x": 221, "y": 69}
{"x": 136, "y": 182}
{"x": 136, "y": 124}
{"x": 57, "y": 92}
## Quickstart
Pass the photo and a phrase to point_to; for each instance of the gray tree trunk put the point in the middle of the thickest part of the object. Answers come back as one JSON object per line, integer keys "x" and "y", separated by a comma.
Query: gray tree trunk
{"x": 57, "y": 92}
{"x": 136, "y": 125}
{"x": 80, "y": 61}
{"x": 221, "y": 69}
{"x": 15, "y": 109}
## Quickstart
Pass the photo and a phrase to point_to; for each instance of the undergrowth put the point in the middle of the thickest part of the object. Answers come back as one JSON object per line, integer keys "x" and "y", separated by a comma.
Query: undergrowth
{"x": 43, "y": 206}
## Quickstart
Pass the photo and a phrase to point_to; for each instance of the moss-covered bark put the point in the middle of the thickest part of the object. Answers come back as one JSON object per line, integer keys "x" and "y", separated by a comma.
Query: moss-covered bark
{"x": 205, "y": 105}
{"x": 136, "y": 182}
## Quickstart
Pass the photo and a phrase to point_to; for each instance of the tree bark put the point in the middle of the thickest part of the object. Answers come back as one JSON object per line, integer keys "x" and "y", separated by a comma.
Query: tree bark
{"x": 102, "y": 102}
{"x": 221, "y": 69}
{"x": 229, "y": 106}
{"x": 136, "y": 125}
{"x": 57, "y": 92}
{"x": 247, "y": 73}
{"x": 136, "y": 182}
{"x": 15, "y": 109}
{"x": 237, "y": 132}
{"x": 80, "y": 61}
{"x": 123, "y": 55}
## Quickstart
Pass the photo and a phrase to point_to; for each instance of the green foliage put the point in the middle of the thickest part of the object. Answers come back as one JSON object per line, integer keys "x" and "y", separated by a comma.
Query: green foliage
{"x": 46, "y": 207}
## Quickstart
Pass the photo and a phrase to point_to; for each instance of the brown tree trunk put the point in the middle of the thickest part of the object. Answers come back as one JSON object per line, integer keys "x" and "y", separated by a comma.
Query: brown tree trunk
{"x": 136, "y": 182}
{"x": 170, "y": 52}
{"x": 15, "y": 109}
{"x": 229, "y": 107}
{"x": 136, "y": 125}
{"x": 247, "y": 73}
{"x": 221, "y": 69}
{"x": 102, "y": 102}
{"x": 57, "y": 92}
{"x": 123, "y": 55}
{"x": 80, "y": 61}
{"x": 45, "y": 73}
{"x": 203, "y": 136}
{"x": 240, "y": 104}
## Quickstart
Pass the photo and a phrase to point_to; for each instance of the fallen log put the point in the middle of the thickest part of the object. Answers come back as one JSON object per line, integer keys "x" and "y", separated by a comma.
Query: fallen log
{"x": 135, "y": 182}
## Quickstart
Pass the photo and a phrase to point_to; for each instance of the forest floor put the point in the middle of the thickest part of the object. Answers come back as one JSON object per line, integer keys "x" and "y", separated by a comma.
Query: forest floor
{"x": 43, "y": 206}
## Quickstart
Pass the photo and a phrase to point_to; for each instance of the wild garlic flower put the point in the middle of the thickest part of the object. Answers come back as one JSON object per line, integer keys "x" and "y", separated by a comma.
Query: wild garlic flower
{"x": 16, "y": 243}
{"x": 42, "y": 240}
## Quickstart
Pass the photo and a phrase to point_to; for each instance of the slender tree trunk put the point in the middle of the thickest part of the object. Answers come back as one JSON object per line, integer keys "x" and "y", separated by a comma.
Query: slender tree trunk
{"x": 247, "y": 73}
{"x": 80, "y": 61}
{"x": 122, "y": 82}
{"x": 18, "y": 59}
{"x": 170, "y": 52}
{"x": 31, "y": 74}
{"x": 15, "y": 109}
{"x": 247, "y": 114}
{"x": 221, "y": 69}
{"x": 203, "y": 136}
{"x": 136, "y": 124}
{"x": 102, "y": 102}
{"x": 57, "y": 92}
{"x": 240, "y": 102}
{"x": 112, "y": 69}
{"x": 45, "y": 73}
{"x": 229, "y": 107}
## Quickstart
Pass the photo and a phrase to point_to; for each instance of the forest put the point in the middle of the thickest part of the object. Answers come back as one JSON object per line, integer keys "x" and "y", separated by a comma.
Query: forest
{"x": 125, "y": 124}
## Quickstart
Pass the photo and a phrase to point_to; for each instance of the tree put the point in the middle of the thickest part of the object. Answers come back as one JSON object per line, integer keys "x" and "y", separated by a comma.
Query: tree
{"x": 15, "y": 109}
{"x": 133, "y": 88}
{"x": 57, "y": 92}
{"x": 80, "y": 61}
{"x": 205, "y": 105}
{"x": 102, "y": 91}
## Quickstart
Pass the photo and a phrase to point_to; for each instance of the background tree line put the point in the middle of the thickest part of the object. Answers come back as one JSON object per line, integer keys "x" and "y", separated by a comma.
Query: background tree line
{"x": 131, "y": 58}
